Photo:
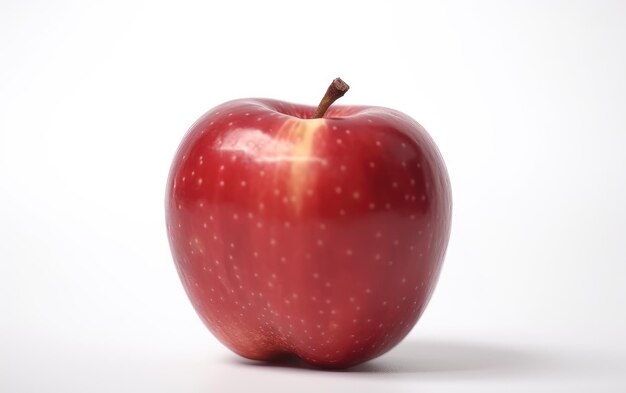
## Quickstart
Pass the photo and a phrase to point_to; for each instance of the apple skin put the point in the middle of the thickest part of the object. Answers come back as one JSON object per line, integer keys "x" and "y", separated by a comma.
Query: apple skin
{"x": 318, "y": 238}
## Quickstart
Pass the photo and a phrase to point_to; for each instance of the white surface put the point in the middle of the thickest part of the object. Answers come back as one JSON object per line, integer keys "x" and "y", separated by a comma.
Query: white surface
{"x": 526, "y": 102}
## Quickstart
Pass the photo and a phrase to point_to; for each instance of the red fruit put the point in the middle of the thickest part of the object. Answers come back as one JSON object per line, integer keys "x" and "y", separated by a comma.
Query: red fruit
{"x": 321, "y": 238}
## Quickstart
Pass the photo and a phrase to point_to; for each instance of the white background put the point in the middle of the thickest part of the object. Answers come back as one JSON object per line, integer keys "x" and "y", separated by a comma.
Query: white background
{"x": 526, "y": 100}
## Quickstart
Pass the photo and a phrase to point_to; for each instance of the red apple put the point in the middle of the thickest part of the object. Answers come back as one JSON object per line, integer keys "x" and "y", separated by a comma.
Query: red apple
{"x": 316, "y": 237}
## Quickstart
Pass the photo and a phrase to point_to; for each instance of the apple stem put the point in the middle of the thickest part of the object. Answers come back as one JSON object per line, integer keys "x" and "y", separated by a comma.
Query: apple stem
{"x": 336, "y": 90}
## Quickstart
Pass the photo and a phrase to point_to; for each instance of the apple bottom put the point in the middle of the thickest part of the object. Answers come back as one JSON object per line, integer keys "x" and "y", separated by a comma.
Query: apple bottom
{"x": 342, "y": 356}
{"x": 327, "y": 347}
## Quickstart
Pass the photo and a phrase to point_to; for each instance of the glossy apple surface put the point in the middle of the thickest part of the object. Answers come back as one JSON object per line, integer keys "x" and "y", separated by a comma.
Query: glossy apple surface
{"x": 319, "y": 238}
